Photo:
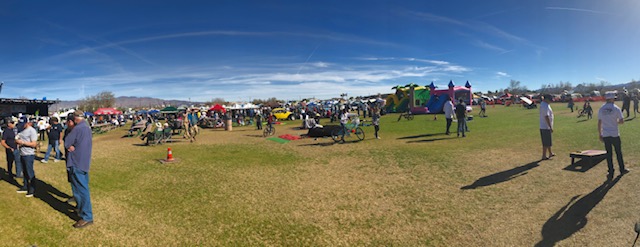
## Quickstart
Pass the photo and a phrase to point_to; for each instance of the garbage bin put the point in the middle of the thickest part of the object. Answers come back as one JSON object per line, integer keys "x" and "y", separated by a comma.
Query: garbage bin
{"x": 227, "y": 125}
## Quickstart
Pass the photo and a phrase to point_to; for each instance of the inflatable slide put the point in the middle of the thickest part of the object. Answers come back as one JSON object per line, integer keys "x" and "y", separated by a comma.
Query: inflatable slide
{"x": 436, "y": 104}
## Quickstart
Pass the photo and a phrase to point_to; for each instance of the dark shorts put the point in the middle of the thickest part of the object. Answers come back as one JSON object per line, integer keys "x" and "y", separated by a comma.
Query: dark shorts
{"x": 546, "y": 137}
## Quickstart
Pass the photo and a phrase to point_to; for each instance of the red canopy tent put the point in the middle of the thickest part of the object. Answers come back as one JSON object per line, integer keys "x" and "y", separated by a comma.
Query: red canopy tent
{"x": 107, "y": 111}
{"x": 218, "y": 107}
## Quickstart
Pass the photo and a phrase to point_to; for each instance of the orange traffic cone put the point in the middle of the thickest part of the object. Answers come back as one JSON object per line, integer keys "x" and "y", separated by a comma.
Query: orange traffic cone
{"x": 169, "y": 155}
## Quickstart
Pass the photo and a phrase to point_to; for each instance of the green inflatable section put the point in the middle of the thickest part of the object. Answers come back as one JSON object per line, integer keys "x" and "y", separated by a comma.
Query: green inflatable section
{"x": 399, "y": 102}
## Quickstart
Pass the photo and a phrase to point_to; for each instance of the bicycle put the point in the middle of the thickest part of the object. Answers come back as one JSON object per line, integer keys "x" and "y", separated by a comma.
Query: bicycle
{"x": 269, "y": 131}
{"x": 336, "y": 134}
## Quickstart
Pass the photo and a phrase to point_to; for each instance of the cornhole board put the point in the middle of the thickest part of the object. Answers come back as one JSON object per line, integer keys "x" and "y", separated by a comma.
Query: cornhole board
{"x": 587, "y": 155}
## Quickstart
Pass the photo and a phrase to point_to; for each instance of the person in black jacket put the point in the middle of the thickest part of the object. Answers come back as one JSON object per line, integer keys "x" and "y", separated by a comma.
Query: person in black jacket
{"x": 461, "y": 114}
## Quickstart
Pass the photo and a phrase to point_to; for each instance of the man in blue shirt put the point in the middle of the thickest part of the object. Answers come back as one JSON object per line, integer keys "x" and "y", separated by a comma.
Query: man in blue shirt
{"x": 193, "y": 122}
{"x": 79, "y": 145}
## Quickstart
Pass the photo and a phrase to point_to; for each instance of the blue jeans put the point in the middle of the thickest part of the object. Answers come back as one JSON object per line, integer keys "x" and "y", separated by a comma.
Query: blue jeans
{"x": 80, "y": 187}
{"x": 344, "y": 130}
{"x": 14, "y": 157}
{"x": 56, "y": 146}
{"x": 462, "y": 125}
{"x": 609, "y": 144}
{"x": 29, "y": 175}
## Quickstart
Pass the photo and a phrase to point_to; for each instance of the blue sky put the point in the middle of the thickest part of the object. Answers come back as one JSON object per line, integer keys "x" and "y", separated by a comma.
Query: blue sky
{"x": 242, "y": 50}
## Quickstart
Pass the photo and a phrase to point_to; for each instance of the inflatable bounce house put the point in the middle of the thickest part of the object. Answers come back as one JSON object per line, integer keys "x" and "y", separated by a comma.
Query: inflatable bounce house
{"x": 407, "y": 98}
{"x": 438, "y": 97}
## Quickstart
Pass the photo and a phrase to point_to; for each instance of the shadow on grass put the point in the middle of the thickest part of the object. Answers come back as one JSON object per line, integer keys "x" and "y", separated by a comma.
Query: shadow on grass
{"x": 48, "y": 194}
{"x": 583, "y": 120}
{"x": 629, "y": 119}
{"x": 5, "y": 176}
{"x": 573, "y": 216}
{"x": 502, "y": 176}
{"x": 261, "y": 136}
{"x": 419, "y": 136}
{"x": 430, "y": 140}
{"x": 320, "y": 144}
{"x": 584, "y": 165}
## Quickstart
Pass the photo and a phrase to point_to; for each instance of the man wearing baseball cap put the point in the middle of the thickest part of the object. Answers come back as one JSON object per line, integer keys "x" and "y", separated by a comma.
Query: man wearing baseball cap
{"x": 609, "y": 117}
{"x": 79, "y": 144}
{"x": 12, "y": 151}
{"x": 546, "y": 126}
{"x": 28, "y": 140}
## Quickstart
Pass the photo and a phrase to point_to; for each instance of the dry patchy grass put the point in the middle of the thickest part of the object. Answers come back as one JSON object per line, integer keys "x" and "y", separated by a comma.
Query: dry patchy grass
{"x": 415, "y": 186}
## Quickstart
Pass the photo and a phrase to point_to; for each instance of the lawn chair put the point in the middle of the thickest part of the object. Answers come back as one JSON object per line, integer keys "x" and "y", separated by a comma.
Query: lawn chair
{"x": 154, "y": 137}
{"x": 166, "y": 135}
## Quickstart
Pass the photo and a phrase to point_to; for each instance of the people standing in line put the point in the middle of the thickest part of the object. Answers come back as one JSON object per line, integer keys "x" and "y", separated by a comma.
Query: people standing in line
{"x": 193, "y": 124}
{"x": 258, "y": 120}
{"x": 11, "y": 149}
{"x": 635, "y": 104}
{"x": 436, "y": 99}
{"x": 461, "y": 114}
{"x": 185, "y": 125}
{"x": 375, "y": 120}
{"x": 609, "y": 117}
{"x": 70, "y": 124}
{"x": 79, "y": 147}
{"x": 448, "y": 113}
{"x": 55, "y": 138}
{"x": 546, "y": 126}
{"x": 21, "y": 122}
{"x": 365, "y": 109}
{"x": 42, "y": 128}
{"x": 483, "y": 108}
{"x": 570, "y": 104}
{"x": 28, "y": 140}
{"x": 344, "y": 119}
{"x": 588, "y": 110}
{"x": 626, "y": 102}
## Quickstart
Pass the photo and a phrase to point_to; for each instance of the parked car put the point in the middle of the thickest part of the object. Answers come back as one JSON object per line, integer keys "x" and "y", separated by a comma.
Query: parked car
{"x": 281, "y": 113}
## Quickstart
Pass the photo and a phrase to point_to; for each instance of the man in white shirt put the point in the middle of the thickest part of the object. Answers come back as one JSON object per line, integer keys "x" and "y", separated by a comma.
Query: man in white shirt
{"x": 448, "y": 113}
{"x": 609, "y": 117}
{"x": 344, "y": 119}
{"x": 546, "y": 126}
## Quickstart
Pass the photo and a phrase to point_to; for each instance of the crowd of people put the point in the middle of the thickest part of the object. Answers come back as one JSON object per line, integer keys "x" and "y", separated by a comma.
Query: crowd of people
{"x": 20, "y": 140}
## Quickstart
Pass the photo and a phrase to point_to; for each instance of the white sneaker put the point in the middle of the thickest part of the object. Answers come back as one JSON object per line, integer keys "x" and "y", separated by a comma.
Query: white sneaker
{"x": 55, "y": 160}
{"x": 43, "y": 161}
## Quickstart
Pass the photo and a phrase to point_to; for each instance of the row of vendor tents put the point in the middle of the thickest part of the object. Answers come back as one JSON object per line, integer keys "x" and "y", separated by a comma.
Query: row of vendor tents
{"x": 216, "y": 107}
{"x": 166, "y": 110}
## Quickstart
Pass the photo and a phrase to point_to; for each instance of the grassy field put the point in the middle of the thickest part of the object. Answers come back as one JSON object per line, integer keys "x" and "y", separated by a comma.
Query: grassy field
{"x": 414, "y": 187}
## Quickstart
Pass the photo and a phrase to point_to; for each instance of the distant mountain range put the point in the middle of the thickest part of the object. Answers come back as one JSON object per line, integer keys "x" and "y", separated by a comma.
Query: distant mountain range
{"x": 131, "y": 102}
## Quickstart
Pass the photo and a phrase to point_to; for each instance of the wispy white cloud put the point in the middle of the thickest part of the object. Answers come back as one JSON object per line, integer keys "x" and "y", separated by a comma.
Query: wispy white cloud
{"x": 485, "y": 45}
{"x": 320, "y": 64}
{"x": 578, "y": 10}
{"x": 502, "y": 74}
{"x": 327, "y": 36}
{"x": 436, "y": 18}
{"x": 232, "y": 82}
{"x": 477, "y": 26}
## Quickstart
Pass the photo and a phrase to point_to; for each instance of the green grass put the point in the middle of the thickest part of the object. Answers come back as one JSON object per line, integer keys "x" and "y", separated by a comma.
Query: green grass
{"x": 237, "y": 188}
